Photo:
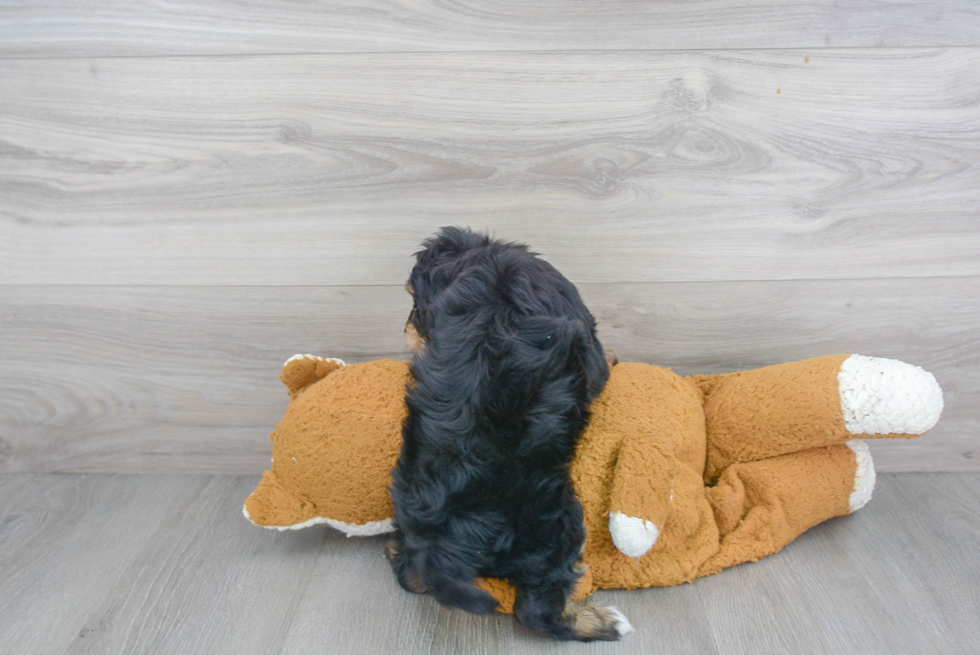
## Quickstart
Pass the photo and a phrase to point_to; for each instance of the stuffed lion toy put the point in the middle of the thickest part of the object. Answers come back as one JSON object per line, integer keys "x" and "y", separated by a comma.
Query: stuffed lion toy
{"x": 679, "y": 477}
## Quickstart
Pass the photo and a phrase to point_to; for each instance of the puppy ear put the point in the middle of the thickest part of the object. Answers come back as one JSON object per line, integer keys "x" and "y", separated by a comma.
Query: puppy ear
{"x": 553, "y": 333}
{"x": 559, "y": 343}
{"x": 556, "y": 343}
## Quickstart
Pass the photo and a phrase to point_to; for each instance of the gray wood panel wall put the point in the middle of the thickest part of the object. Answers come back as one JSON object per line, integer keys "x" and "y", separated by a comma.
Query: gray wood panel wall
{"x": 189, "y": 197}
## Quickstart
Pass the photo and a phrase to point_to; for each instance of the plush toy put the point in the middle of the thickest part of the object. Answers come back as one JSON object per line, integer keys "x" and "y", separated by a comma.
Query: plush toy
{"x": 679, "y": 477}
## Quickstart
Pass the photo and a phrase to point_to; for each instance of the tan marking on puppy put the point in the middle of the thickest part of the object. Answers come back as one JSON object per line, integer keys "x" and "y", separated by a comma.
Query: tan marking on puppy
{"x": 580, "y": 565}
{"x": 391, "y": 550}
{"x": 591, "y": 622}
{"x": 413, "y": 339}
{"x": 414, "y": 583}
{"x": 410, "y": 580}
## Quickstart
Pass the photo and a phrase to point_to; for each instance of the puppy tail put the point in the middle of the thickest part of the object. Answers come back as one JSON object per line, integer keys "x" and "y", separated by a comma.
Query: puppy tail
{"x": 457, "y": 593}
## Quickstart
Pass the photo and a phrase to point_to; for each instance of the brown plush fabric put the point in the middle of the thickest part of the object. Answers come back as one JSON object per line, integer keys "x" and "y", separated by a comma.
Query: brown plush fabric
{"x": 794, "y": 406}
{"x": 729, "y": 468}
{"x": 648, "y": 428}
{"x": 333, "y": 452}
{"x": 759, "y": 507}
{"x": 301, "y": 373}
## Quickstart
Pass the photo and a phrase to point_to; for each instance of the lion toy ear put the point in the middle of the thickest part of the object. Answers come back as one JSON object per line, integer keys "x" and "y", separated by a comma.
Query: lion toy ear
{"x": 334, "y": 449}
{"x": 300, "y": 371}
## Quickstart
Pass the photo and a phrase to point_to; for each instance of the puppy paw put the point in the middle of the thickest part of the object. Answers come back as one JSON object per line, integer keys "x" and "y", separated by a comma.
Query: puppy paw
{"x": 631, "y": 535}
{"x": 406, "y": 575}
{"x": 886, "y": 396}
{"x": 623, "y": 626}
{"x": 594, "y": 623}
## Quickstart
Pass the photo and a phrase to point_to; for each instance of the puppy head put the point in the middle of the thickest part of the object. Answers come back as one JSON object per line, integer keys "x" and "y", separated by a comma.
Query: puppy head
{"x": 440, "y": 261}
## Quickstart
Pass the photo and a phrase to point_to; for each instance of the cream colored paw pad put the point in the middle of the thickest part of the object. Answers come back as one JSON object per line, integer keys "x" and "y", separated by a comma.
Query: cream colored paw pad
{"x": 886, "y": 396}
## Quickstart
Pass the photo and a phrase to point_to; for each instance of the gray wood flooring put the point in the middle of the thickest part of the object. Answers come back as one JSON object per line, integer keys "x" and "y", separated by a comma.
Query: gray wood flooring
{"x": 166, "y": 564}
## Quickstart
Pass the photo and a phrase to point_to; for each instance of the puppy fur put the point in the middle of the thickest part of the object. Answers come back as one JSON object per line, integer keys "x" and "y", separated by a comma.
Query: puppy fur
{"x": 507, "y": 362}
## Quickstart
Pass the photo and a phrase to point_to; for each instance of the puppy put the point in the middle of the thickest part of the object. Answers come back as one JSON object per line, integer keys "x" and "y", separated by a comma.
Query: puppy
{"x": 506, "y": 366}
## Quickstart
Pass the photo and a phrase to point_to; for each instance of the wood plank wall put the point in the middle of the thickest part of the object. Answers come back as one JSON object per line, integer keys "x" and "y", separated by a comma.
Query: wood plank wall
{"x": 189, "y": 195}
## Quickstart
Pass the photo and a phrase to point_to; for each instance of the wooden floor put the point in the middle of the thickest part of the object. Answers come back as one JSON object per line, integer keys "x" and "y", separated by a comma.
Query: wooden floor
{"x": 167, "y": 564}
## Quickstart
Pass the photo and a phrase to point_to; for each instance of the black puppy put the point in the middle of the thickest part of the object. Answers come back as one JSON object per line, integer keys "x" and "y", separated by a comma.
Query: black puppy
{"x": 507, "y": 365}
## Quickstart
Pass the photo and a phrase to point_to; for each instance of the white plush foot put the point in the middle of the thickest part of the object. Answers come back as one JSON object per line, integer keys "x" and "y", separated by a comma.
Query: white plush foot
{"x": 632, "y": 536}
{"x": 864, "y": 477}
{"x": 316, "y": 357}
{"x": 886, "y": 396}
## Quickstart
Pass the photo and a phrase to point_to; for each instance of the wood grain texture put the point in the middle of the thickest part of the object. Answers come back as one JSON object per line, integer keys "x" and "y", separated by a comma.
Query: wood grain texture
{"x": 954, "y": 503}
{"x": 619, "y": 166}
{"x": 66, "y": 540}
{"x": 208, "y": 582}
{"x": 113, "y": 379}
{"x": 862, "y": 583}
{"x": 111, "y": 27}
{"x": 167, "y": 564}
